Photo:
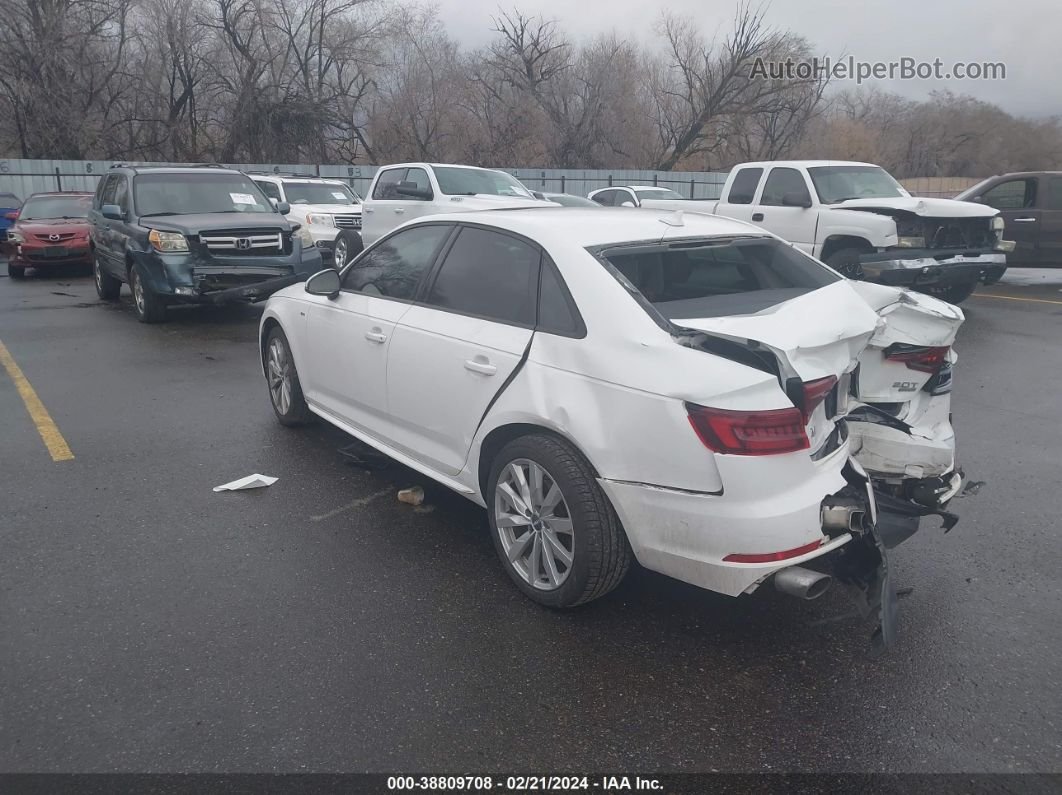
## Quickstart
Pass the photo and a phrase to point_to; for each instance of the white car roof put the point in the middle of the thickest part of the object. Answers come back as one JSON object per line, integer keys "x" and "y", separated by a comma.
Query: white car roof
{"x": 599, "y": 226}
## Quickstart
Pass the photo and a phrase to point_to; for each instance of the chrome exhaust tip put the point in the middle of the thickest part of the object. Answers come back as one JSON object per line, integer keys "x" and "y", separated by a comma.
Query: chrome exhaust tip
{"x": 802, "y": 583}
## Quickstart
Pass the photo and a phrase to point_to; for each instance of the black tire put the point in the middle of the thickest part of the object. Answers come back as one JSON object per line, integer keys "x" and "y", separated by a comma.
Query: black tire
{"x": 107, "y": 287}
{"x": 296, "y": 412}
{"x": 953, "y": 294}
{"x": 16, "y": 271}
{"x": 347, "y": 246}
{"x": 149, "y": 306}
{"x": 601, "y": 553}
{"x": 846, "y": 262}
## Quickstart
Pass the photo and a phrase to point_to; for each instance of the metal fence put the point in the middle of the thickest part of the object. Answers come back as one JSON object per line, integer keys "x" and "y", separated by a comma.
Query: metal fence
{"x": 23, "y": 177}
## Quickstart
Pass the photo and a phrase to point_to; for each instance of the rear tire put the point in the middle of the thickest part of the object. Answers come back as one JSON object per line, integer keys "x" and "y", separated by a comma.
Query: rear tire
{"x": 148, "y": 305}
{"x": 347, "y": 246}
{"x": 539, "y": 534}
{"x": 16, "y": 271}
{"x": 954, "y": 294}
{"x": 107, "y": 287}
{"x": 285, "y": 389}
{"x": 846, "y": 262}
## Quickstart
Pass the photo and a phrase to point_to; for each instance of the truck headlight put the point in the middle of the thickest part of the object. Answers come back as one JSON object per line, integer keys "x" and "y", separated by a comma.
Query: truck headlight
{"x": 320, "y": 220}
{"x": 910, "y": 242}
{"x": 167, "y": 242}
{"x": 302, "y": 234}
{"x": 997, "y": 223}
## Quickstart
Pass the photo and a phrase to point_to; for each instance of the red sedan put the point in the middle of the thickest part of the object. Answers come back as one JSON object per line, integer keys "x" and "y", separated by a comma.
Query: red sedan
{"x": 51, "y": 229}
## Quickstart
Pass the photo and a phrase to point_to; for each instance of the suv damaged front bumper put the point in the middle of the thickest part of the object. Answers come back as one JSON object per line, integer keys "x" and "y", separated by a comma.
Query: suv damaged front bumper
{"x": 192, "y": 279}
{"x": 934, "y": 267}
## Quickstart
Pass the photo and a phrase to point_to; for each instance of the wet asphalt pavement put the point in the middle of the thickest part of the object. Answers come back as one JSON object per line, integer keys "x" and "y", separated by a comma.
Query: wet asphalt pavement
{"x": 149, "y": 624}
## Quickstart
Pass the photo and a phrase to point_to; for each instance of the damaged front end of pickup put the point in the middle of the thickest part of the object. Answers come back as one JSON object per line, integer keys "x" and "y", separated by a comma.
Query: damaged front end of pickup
{"x": 941, "y": 256}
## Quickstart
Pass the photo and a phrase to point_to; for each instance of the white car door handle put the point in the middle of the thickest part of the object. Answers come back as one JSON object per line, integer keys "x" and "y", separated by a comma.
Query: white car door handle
{"x": 399, "y": 210}
{"x": 1023, "y": 220}
{"x": 375, "y": 336}
{"x": 480, "y": 366}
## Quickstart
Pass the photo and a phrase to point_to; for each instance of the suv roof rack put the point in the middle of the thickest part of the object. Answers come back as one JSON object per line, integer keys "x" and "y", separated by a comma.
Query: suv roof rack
{"x": 208, "y": 165}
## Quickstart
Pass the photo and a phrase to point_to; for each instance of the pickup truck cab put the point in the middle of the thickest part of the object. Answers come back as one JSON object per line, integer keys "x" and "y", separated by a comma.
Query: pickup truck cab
{"x": 1030, "y": 204}
{"x": 402, "y": 192}
{"x": 861, "y": 222}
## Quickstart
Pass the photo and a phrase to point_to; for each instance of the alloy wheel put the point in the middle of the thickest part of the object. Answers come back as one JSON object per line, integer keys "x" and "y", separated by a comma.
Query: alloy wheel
{"x": 339, "y": 255}
{"x": 278, "y": 366}
{"x": 97, "y": 275}
{"x": 534, "y": 524}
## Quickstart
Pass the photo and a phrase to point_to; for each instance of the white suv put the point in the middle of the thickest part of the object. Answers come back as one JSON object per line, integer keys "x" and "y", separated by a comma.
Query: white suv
{"x": 327, "y": 208}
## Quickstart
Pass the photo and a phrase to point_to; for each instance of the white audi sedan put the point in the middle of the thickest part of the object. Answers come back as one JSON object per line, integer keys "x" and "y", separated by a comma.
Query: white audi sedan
{"x": 608, "y": 385}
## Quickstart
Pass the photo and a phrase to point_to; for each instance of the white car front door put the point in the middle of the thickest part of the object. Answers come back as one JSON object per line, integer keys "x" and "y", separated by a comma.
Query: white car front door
{"x": 348, "y": 336}
{"x": 454, "y": 351}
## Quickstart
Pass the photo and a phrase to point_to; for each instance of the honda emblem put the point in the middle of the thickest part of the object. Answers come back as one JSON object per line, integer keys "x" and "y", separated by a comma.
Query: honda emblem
{"x": 243, "y": 243}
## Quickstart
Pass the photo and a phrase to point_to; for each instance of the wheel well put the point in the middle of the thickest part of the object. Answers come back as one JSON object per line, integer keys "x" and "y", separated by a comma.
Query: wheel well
{"x": 837, "y": 242}
{"x": 502, "y": 435}
{"x": 268, "y": 326}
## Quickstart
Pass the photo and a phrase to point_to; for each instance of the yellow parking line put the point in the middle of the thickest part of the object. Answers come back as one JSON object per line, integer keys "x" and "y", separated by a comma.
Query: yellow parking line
{"x": 1015, "y": 298}
{"x": 46, "y": 426}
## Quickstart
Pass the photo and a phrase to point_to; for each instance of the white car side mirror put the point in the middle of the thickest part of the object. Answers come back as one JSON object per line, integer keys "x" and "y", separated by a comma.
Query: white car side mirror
{"x": 627, "y": 204}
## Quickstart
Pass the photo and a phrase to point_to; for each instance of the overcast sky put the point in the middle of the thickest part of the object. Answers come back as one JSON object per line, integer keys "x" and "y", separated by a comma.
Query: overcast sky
{"x": 1024, "y": 34}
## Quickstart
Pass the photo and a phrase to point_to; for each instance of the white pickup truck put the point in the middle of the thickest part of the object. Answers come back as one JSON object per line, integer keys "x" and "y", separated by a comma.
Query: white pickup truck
{"x": 405, "y": 191}
{"x": 856, "y": 218}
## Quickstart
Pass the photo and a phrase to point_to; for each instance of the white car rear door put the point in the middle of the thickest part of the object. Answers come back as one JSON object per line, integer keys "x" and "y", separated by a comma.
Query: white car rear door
{"x": 452, "y": 353}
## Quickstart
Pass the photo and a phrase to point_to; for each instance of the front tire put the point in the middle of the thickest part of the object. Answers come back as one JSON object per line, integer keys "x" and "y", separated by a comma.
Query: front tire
{"x": 148, "y": 305}
{"x": 107, "y": 287}
{"x": 554, "y": 529}
{"x": 953, "y": 294}
{"x": 16, "y": 271}
{"x": 285, "y": 389}
{"x": 846, "y": 262}
{"x": 347, "y": 246}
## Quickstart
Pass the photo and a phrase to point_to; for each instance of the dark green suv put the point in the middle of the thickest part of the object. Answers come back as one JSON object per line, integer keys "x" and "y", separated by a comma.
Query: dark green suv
{"x": 192, "y": 235}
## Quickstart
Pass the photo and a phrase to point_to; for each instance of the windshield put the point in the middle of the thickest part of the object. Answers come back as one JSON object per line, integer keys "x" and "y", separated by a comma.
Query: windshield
{"x": 837, "y": 183}
{"x": 659, "y": 193}
{"x": 470, "y": 181}
{"x": 199, "y": 192}
{"x": 319, "y": 193}
{"x": 40, "y": 207}
{"x": 717, "y": 277}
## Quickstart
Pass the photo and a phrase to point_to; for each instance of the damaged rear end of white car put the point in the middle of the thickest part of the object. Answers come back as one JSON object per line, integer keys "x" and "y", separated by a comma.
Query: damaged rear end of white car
{"x": 900, "y": 418}
{"x": 834, "y": 354}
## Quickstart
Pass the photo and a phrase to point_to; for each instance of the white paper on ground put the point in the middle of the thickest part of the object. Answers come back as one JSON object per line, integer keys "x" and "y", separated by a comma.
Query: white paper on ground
{"x": 255, "y": 481}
